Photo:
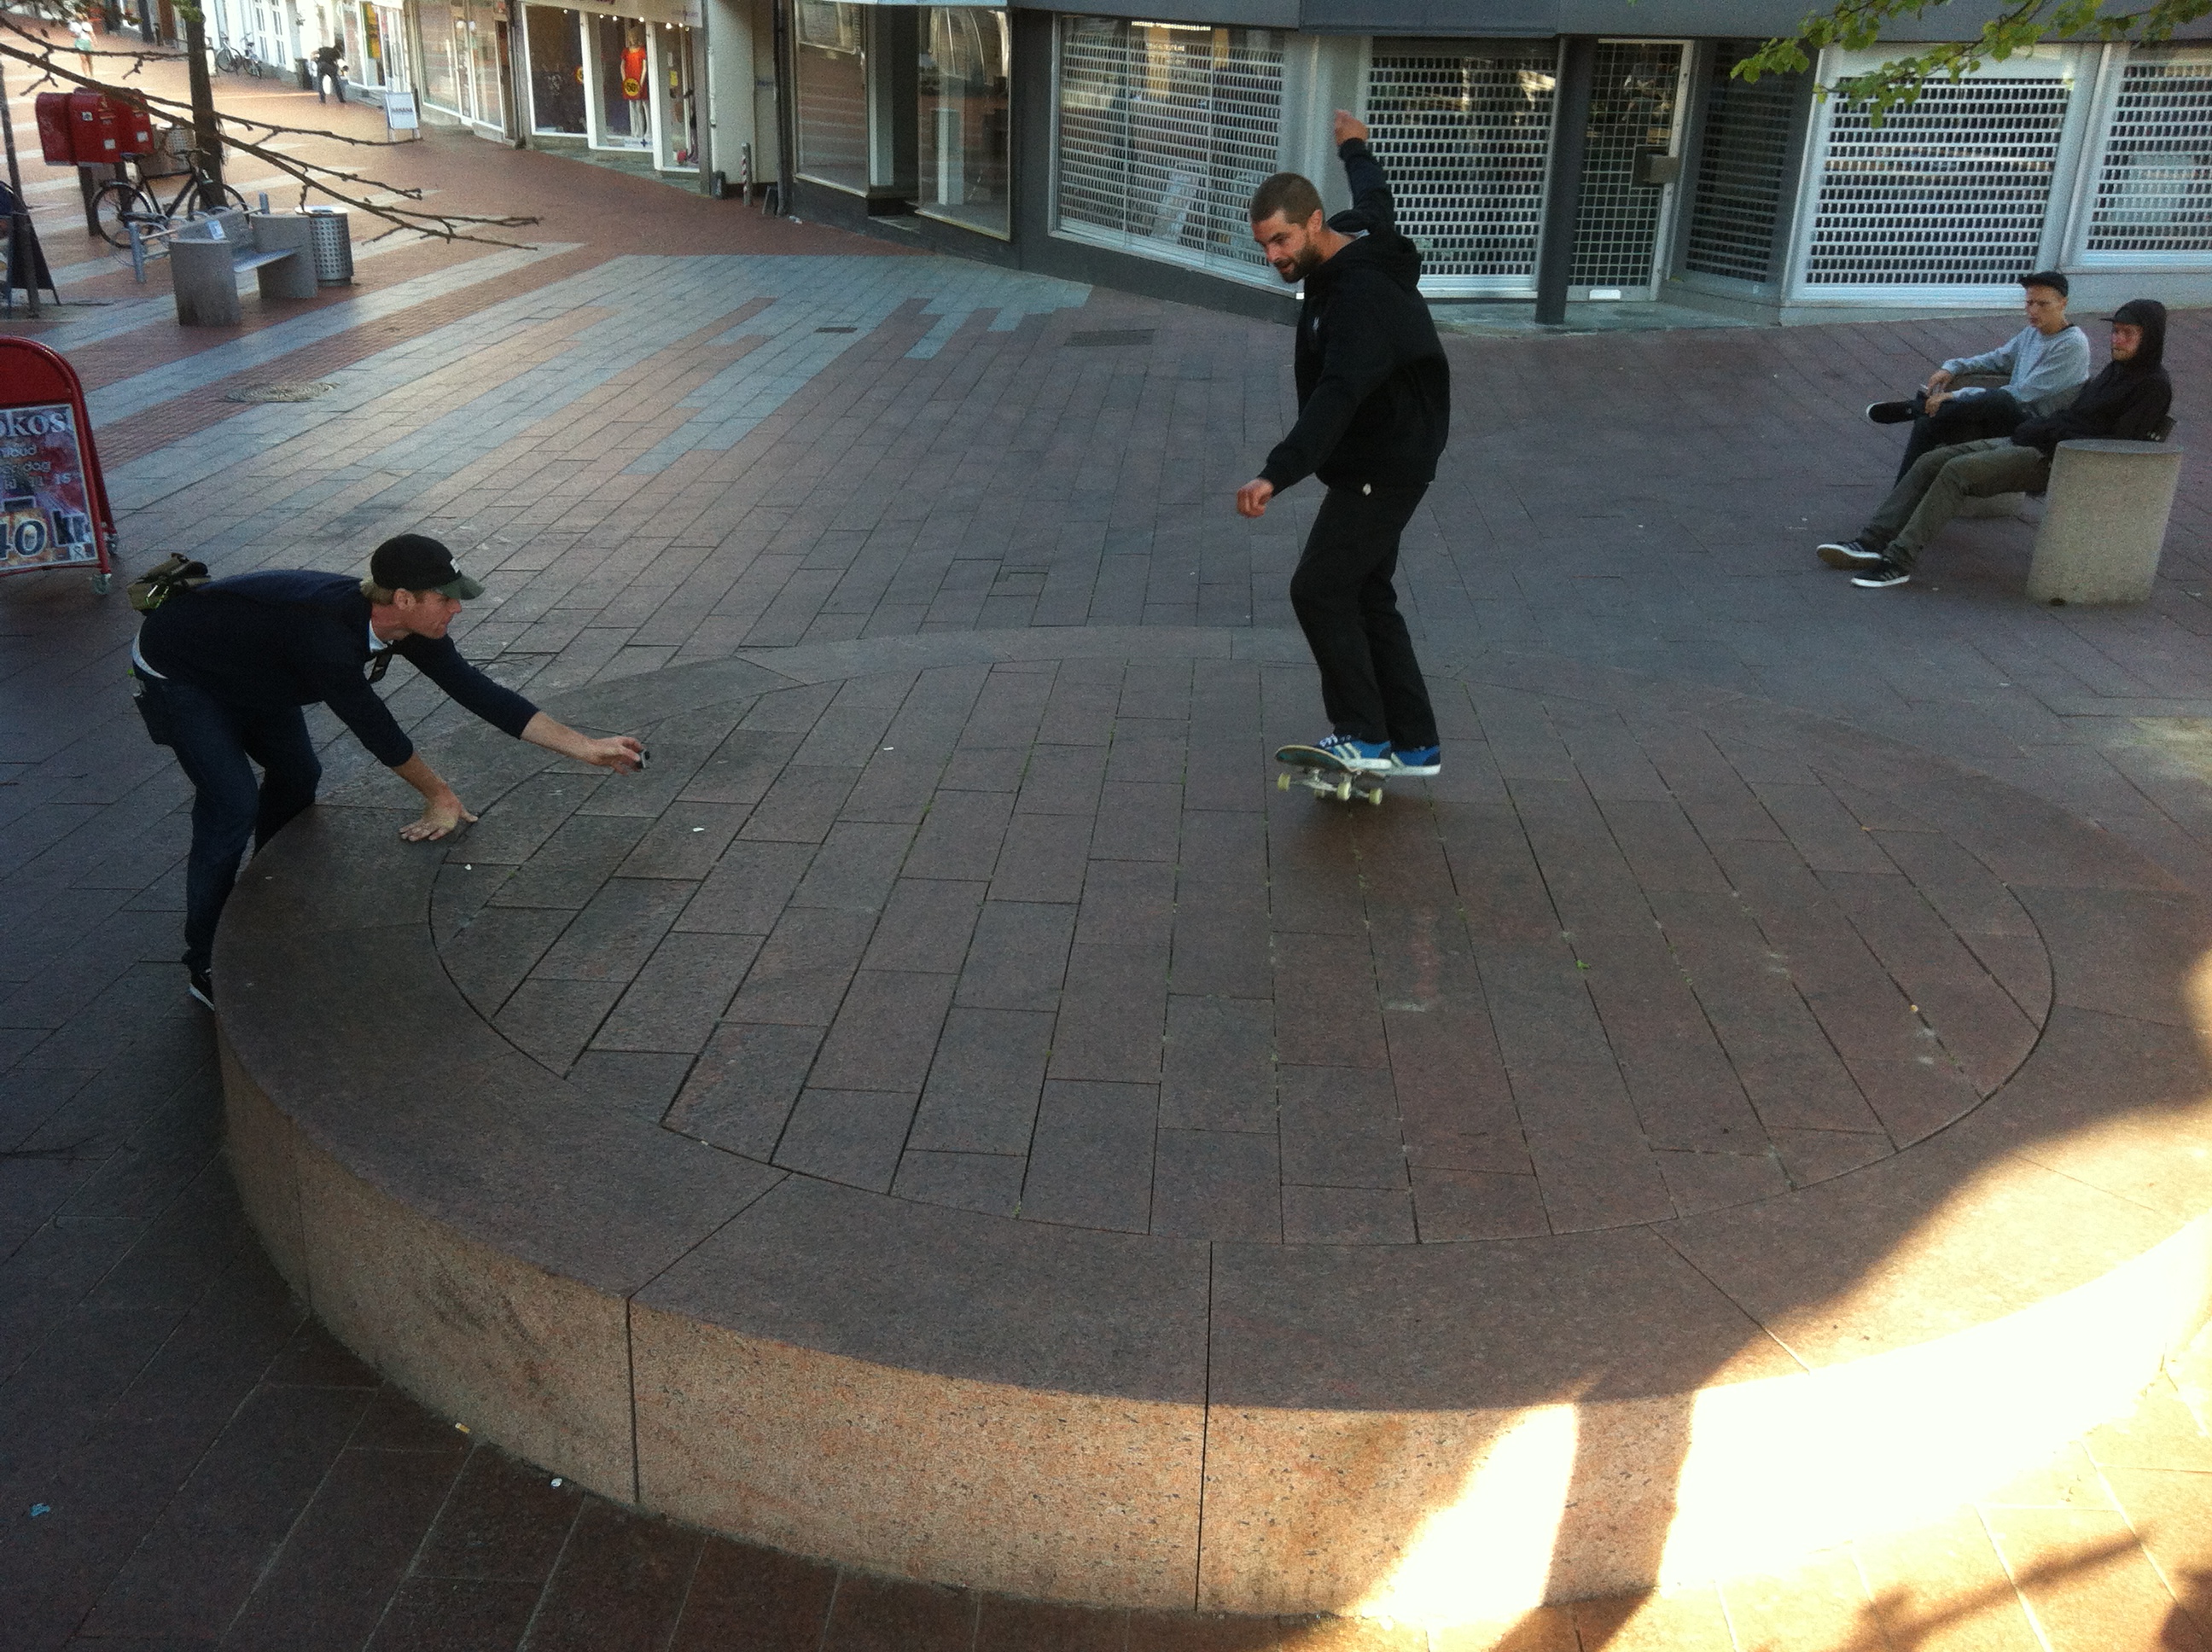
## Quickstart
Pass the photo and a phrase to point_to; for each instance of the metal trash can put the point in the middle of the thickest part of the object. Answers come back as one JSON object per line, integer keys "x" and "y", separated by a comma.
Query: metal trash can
{"x": 305, "y": 68}
{"x": 332, "y": 235}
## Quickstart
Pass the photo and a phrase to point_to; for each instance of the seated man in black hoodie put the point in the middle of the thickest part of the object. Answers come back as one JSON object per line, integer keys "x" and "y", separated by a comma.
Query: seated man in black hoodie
{"x": 1374, "y": 405}
{"x": 2129, "y": 400}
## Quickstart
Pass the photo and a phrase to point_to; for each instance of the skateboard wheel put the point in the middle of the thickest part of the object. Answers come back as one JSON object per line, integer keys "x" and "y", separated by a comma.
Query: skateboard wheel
{"x": 1375, "y": 797}
{"x": 1344, "y": 791}
{"x": 1282, "y": 782}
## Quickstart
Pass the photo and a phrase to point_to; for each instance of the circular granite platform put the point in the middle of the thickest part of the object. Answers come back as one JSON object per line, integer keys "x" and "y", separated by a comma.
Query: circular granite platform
{"x": 953, "y": 1114}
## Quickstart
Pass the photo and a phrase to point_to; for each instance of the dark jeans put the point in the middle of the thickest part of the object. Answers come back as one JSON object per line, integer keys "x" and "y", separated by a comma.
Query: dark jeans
{"x": 217, "y": 745}
{"x": 1371, "y": 684}
{"x": 337, "y": 80}
{"x": 1978, "y": 418}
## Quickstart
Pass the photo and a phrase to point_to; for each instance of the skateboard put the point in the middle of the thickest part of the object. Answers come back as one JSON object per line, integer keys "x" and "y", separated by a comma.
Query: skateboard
{"x": 1328, "y": 775}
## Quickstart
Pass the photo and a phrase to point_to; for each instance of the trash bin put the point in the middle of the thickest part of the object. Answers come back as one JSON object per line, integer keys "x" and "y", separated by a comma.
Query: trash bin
{"x": 306, "y": 73}
{"x": 331, "y": 233}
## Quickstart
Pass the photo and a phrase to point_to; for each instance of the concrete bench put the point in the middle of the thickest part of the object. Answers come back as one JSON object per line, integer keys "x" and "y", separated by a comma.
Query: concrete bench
{"x": 2104, "y": 526}
{"x": 208, "y": 255}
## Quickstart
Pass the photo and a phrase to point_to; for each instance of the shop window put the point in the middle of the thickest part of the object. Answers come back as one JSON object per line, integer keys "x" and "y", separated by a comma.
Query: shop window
{"x": 2154, "y": 186}
{"x": 1742, "y": 166}
{"x": 1164, "y": 129}
{"x": 1464, "y": 130}
{"x": 556, "y": 69}
{"x": 961, "y": 137}
{"x": 625, "y": 84}
{"x": 1951, "y": 191}
{"x": 833, "y": 94}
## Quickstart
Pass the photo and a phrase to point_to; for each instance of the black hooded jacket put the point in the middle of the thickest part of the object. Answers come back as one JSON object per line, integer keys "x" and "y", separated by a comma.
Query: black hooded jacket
{"x": 2127, "y": 400}
{"x": 1374, "y": 389}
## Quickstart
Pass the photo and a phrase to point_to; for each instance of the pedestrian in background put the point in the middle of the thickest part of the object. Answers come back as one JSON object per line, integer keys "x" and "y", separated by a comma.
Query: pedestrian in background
{"x": 329, "y": 66}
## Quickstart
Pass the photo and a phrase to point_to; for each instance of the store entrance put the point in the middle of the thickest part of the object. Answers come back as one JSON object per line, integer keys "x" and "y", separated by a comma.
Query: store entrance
{"x": 1630, "y": 168}
{"x": 676, "y": 104}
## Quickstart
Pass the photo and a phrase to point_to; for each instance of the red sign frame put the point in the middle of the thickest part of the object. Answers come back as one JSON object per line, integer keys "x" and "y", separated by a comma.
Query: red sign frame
{"x": 53, "y": 498}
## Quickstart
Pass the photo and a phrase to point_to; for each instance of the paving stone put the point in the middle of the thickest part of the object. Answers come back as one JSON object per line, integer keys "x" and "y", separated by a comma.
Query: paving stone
{"x": 743, "y": 1085}
{"x": 1090, "y": 1161}
{"x": 850, "y": 1136}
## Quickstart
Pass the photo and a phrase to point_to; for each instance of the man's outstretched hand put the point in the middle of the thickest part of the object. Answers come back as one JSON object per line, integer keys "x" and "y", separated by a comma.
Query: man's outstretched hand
{"x": 623, "y": 753}
{"x": 1252, "y": 498}
{"x": 1349, "y": 126}
{"x": 440, "y": 816}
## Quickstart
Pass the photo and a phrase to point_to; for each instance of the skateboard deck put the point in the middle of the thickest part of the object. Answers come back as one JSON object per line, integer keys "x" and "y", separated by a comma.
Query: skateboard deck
{"x": 1328, "y": 775}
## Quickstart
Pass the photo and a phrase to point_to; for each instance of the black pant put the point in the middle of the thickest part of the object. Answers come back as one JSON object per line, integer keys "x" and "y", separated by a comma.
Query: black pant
{"x": 217, "y": 745}
{"x": 1371, "y": 684}
{"x": 1978, "y": 418}
{"x": 337, "y": 80}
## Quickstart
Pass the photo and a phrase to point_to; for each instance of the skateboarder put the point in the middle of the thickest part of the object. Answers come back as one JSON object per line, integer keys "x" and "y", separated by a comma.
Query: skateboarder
{"x": 1374, "y": 405}
{"x": 224, "y": 670}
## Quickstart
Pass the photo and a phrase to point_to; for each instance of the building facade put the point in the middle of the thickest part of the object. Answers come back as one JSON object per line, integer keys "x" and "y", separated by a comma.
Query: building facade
{"x": 1124, "y": 149}
{"x": 1589, "y": 150}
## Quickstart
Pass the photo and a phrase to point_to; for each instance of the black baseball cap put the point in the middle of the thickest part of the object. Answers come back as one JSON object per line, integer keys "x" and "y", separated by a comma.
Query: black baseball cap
{"x": 415, "y": 561}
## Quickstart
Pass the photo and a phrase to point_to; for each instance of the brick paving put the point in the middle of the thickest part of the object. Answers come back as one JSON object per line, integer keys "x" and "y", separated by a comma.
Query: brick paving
{"x": 1041, "y": 940}
{"x": 211, "y": 1470}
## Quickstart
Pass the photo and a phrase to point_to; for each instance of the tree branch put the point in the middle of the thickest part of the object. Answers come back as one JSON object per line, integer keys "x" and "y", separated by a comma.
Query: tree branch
{"x": 1856, "y": 25}
{"x": 312, "y": 176}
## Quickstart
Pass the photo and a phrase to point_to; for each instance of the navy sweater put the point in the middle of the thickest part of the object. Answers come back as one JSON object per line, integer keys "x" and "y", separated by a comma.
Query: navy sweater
{"x": 264, "y": 642}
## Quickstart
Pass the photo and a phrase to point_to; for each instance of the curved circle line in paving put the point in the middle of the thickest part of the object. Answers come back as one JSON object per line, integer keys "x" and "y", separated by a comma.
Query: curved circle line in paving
{"x": 953, "y": 1116}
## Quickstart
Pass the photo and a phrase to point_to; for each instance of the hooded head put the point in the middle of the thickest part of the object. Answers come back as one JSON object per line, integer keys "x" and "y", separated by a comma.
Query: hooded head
{"x": 2148, "y": 314}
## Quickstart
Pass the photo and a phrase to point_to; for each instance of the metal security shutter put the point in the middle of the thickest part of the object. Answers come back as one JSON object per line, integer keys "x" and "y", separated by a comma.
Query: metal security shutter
{"x": 1164, "y": 131}
{"x": 1949, "y": 192}
{"x": 1632, "y": 98}
{"x": 2154, "y": 185}
{"x": 1741, "y": 168}
{"x": 1464, "y": 131}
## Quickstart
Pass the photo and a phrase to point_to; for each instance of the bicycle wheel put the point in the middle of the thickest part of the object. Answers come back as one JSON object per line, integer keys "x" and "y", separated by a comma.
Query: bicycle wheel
{"x": 207, "y": 200}
{"x": 225, "y": 59}
{"x": 113, "y": 208}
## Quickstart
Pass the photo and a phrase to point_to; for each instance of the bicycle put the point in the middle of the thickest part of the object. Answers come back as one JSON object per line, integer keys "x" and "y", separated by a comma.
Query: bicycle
{"x": 119, "y": 205}
{"x": 239, "y": 62}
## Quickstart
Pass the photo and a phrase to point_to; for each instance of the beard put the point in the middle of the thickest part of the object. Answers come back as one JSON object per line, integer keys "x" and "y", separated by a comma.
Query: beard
{"x": 1306, "y": 261}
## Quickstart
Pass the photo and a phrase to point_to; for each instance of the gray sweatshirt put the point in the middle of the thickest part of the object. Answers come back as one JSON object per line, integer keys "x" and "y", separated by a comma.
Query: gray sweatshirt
{"x": 2045, "y": 372}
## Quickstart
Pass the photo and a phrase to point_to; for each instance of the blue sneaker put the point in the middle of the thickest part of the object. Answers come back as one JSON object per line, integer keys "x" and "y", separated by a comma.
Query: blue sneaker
{"x": 1373, "y": 755}
{"x": 1417, "y": 760}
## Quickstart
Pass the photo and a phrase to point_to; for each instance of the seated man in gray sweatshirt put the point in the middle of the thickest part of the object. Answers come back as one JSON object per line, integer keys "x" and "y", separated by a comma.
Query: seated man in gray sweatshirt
{"x": 2045, "y": 363}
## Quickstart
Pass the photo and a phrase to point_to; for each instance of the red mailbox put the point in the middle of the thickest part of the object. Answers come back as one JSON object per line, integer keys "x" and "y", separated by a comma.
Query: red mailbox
{"x": 93, "y": 127}
{"x": 134, "y": 124}
{"x": 56, "y": 141}
{"x": 89, "y": 128}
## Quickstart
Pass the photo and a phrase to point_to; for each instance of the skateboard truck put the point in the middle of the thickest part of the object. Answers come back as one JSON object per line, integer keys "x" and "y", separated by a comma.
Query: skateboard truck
{"x": 1328, "y": 775}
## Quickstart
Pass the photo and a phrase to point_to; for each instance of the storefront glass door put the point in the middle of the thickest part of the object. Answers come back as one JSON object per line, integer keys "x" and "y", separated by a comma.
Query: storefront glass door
{"x": 962, "y": 142}
{"x": 677, "y": 105}
{"x": 1627, "y": 193}
{"x": 555, "y": 38}
{"x": 833, "y": 95}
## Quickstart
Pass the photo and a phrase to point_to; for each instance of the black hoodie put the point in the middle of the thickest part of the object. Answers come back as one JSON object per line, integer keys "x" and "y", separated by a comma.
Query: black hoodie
{"x": 1374, "y": 389}
{"x": 2127, "y": 400}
